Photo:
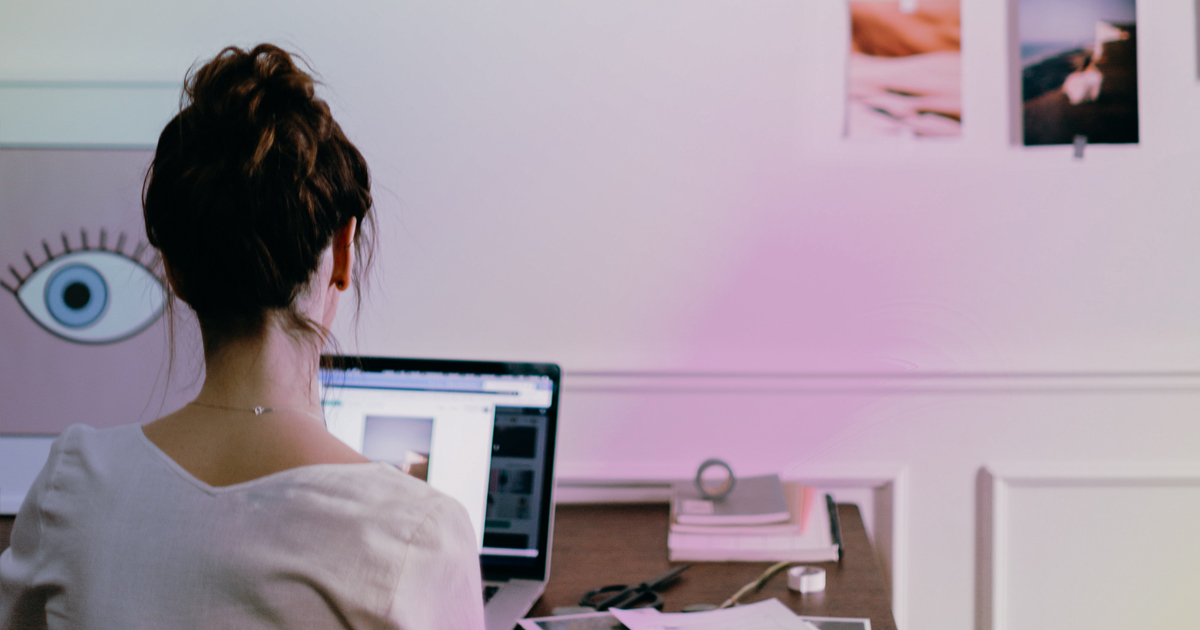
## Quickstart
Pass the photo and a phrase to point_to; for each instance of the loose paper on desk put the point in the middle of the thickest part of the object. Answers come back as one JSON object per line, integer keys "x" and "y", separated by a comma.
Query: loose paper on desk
{"x": 770, "y": 614}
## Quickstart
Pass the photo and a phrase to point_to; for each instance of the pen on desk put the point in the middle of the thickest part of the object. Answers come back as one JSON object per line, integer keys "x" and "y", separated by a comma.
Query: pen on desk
{"x": 835, "y": 525}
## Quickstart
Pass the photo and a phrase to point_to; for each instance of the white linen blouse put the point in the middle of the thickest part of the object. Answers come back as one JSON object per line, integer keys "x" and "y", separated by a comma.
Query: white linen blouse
{"x": 115, "y": 534}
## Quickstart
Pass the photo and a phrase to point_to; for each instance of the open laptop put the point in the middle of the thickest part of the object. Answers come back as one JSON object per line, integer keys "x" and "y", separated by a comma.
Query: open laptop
{"x": 483, "y": 433}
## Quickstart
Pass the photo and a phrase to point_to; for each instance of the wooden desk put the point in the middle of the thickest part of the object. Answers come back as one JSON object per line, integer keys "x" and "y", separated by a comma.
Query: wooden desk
{"x": 596, "y": 545}
{"x": 617, "y": 544}
{"x": 6, "y": 523}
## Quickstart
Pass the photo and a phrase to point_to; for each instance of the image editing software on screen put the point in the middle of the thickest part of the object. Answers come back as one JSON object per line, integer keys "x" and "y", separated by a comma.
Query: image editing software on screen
{"x": 479, "y": 438}
{"x": 514, "y": 498}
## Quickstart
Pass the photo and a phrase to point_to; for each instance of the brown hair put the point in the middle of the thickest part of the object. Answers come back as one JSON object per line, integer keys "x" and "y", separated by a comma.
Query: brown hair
{"x": 249, "y": 183}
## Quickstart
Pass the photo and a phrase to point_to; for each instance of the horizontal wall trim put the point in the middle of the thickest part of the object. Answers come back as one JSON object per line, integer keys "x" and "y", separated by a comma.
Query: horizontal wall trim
{"x": 817, "y": 383}
{"x": 612, "y": 491}
{"x": 1096, "y": 473}
{"x": 117, "y": 84}
{"x": 85, "y": 114}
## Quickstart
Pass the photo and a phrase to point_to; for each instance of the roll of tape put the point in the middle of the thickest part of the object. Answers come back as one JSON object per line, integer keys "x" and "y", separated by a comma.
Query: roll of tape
{"x": 726, "y": 485}
{"x": 806, "y": 579}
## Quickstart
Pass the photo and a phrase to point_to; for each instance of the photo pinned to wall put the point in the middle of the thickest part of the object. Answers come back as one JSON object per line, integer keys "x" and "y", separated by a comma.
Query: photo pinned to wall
{"x": 402, "y": 442}
{"x": 1078, "y": 71}
{"x": 904, "y": 70}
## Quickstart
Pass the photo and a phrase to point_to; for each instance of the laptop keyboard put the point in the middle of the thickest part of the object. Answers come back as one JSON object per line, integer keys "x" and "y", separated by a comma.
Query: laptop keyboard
{"x": 488, "y": 591}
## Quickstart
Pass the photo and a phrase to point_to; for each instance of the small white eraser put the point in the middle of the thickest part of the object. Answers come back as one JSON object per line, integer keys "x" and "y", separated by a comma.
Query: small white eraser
{"x": 806, "y": 579}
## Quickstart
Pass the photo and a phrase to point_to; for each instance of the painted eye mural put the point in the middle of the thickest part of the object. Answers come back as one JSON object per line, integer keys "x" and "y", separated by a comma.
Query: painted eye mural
{"x": 90, "y": 295}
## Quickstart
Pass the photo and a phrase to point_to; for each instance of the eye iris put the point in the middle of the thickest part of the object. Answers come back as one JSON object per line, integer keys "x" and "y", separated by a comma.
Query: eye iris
{"x": 76, "y": 295}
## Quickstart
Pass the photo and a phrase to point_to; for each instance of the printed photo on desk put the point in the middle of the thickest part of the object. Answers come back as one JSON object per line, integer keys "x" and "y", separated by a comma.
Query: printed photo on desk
{"x": 838, "y": 623}
{"x": 586, "y": 621}
{"x": 904, "y": 74}
{"x": 1078, "y": 71}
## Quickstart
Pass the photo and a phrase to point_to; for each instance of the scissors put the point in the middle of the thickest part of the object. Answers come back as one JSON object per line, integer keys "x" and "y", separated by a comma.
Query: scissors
{"x": 640, "y": 596}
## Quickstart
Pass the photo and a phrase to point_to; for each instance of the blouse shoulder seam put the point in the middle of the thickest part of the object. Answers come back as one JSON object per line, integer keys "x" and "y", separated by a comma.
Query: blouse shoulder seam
{"x": 408, "y": 553}
{"x": 54, "y": 465}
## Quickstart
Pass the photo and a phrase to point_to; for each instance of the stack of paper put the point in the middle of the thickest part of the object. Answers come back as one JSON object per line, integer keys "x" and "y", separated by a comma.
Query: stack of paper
{"x": 799, "y": 533}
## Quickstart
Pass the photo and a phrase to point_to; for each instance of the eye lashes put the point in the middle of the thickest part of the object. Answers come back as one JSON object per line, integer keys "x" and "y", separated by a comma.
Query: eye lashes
{"x": 84, "y": 245}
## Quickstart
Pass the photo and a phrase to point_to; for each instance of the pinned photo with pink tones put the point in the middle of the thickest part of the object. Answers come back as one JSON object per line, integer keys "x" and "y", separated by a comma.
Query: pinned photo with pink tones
{"x": 904, "y": 75}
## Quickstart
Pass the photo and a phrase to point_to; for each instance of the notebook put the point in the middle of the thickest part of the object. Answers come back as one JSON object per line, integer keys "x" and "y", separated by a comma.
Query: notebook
{"x": 483, "y": 433}
{"x": 762, "y": 543}
{"x": 752, "y": 501}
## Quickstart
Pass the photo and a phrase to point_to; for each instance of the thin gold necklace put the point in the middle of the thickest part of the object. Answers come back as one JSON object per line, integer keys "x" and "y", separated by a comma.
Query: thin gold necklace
{"x": 260, "y": 410}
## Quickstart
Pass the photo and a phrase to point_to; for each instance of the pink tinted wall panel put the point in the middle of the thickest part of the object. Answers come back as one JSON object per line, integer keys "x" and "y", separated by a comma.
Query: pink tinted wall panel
{"x": 47, "y": 382}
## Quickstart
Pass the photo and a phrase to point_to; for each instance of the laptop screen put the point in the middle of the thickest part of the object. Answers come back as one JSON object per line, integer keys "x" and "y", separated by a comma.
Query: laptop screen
{"x": 480, "y": 432}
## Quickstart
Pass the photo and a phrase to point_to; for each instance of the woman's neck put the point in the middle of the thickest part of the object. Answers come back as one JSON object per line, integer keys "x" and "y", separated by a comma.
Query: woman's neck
{"x": 272, "y": 370}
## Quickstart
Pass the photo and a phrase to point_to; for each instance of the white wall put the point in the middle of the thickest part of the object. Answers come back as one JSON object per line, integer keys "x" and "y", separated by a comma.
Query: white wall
{"x": 637, "y": 188}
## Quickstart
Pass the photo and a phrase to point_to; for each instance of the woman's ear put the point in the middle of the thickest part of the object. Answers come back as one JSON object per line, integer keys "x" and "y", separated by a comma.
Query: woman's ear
{"x": 343, "y": 255}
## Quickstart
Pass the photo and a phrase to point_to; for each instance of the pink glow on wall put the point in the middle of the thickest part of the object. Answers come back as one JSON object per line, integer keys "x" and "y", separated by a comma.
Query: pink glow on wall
{"x": 844, "y": 271}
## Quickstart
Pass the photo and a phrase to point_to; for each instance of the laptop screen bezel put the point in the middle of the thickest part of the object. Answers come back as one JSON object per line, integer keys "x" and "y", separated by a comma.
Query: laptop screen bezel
{"x": 493, "y": 566}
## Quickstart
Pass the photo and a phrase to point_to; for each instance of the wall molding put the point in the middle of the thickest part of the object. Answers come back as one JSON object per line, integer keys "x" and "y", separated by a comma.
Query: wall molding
{"x": 647, "y": 484}
{"x": 996, "y": 483}
{"x": 815, "y": 383}
{"x": 85, "y": 114}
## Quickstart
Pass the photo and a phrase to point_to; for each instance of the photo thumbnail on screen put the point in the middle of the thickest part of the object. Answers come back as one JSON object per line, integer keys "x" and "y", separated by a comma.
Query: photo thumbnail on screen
{"x": 400, "y": 441}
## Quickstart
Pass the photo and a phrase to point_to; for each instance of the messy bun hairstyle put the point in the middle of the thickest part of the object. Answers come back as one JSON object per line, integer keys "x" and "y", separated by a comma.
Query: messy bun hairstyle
{"x": 249, "y": 183}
